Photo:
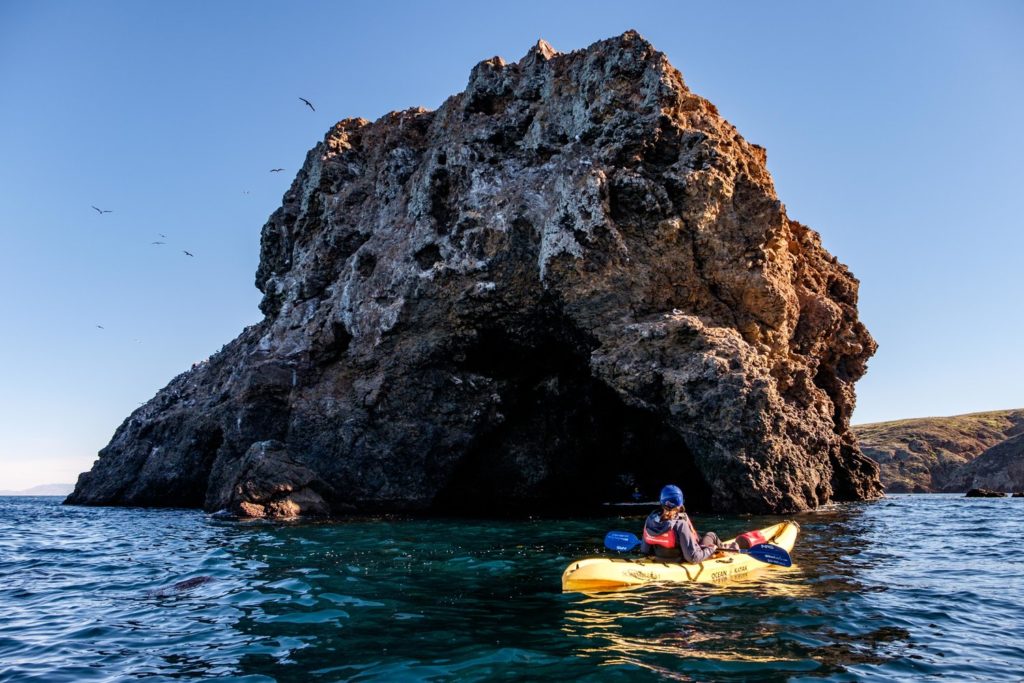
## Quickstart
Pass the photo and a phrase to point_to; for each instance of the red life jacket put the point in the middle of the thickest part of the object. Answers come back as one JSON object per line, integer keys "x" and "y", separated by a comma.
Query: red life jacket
{"x": 668, "y": 538}
{"x": 665, "y": 540}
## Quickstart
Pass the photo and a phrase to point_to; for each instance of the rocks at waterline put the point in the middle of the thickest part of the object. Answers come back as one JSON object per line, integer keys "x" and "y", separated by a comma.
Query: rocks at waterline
{"x": 570, "y": 281}
{"x": 268, "y": 482}
{"x": 984, "y": 493}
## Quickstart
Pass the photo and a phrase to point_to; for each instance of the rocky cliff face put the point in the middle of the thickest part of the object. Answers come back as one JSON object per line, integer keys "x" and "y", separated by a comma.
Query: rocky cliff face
{"x": 570, "y": 280}
{"x": 999, "y": 468}
{"x": 948, "y": 454}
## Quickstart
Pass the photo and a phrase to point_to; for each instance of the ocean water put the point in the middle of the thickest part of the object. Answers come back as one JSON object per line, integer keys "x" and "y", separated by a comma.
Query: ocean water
{"x": 907, "y": 588}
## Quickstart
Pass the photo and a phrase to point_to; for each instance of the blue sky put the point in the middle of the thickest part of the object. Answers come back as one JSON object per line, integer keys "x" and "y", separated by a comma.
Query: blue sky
{"x": 893, "y": 128}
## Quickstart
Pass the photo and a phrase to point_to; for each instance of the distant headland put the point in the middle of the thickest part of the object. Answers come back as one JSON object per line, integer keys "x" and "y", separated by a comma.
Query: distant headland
{"x": 948, "y": 454}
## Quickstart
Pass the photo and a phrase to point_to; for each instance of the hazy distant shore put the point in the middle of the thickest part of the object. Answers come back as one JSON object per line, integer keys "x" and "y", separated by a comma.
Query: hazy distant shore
{"x": 42, "y": 490}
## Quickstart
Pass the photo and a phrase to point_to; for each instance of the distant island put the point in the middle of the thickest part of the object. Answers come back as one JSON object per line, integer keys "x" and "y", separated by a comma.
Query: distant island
{"x": 42, "y": 490}
{"x": 948, "y": 454}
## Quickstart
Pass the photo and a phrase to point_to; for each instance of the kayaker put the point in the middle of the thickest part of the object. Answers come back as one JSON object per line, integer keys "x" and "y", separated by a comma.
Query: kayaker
{"x": 669, "y": 533}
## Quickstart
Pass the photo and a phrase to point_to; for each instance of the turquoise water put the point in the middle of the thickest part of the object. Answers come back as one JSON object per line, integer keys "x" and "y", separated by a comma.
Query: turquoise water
{"x": 910, "y": 587}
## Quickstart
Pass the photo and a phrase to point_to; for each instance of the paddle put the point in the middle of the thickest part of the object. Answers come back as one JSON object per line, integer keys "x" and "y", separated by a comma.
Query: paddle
{"x": 623, "y": 541}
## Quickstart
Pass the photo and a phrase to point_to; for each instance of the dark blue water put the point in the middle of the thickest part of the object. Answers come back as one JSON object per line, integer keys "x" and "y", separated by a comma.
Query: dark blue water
{"x": 910, "y": 587}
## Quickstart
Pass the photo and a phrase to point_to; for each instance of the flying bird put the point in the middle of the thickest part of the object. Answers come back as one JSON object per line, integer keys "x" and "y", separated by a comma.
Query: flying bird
{"x": 276, "y": 170}
{"x": 308, "y": 103}
{"x": 158, "y": 242}
{"x": 160, "y": 234}
{"x": 187, "y": 253}
{"x": 101, "y": 327}
{"x": 102, "y": 211}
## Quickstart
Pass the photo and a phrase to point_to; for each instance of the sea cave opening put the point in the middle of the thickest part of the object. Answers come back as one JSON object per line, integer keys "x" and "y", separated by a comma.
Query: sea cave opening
{"x": 566, "y": 442}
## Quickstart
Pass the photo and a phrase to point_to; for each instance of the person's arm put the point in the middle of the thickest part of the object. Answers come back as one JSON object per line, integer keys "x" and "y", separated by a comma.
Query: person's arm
{"x": 690, "y": 546}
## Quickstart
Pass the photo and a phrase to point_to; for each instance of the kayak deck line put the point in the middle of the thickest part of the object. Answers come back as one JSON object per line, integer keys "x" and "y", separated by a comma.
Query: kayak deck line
{"x": 616, "y": 573}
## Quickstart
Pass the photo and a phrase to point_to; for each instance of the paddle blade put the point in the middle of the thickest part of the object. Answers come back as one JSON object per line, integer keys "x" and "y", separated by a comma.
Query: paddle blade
{"x": 772, "y": 554}
{"x": 620, "y": 541}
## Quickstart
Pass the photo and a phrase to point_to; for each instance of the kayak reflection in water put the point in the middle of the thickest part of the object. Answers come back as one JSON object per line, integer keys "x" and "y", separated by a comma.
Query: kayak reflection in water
{"x": 669, "y": 533}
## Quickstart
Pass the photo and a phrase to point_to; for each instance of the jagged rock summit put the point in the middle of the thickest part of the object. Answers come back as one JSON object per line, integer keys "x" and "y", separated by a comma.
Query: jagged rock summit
{"x": 570, "y": 281}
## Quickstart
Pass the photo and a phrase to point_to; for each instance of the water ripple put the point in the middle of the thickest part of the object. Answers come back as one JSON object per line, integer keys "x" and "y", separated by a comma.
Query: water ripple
{"x": 908, "y": 588}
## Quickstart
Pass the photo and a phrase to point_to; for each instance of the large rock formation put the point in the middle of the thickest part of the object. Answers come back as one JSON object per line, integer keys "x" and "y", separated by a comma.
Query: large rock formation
{"x": 569, "y": 280}
{"x": 948, "y": 454}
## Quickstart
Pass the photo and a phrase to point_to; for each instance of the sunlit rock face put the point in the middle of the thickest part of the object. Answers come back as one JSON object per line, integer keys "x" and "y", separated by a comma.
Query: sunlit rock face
{"x": 571, "y": 281}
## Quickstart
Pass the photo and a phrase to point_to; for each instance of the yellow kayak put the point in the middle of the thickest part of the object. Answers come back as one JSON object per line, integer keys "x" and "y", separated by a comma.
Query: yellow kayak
{"x": 617, "y": 573}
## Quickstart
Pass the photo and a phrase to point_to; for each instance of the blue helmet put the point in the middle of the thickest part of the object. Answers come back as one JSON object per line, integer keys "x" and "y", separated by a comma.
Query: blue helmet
{"x": 671, "y": 496}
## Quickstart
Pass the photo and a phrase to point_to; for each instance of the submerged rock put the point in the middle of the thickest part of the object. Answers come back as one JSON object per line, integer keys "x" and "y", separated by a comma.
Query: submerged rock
{"x": 571, "y": 281}
{"x": 180, "y": 586}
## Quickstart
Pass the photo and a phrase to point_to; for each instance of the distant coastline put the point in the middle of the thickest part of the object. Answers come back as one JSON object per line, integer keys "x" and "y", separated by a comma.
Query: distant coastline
{"x": 948, "y": 454}
{"x": 42, "y": 490}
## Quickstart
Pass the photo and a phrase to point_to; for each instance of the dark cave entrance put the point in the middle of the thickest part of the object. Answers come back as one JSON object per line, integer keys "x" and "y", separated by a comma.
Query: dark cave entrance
{"x": 567, "y": 443}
